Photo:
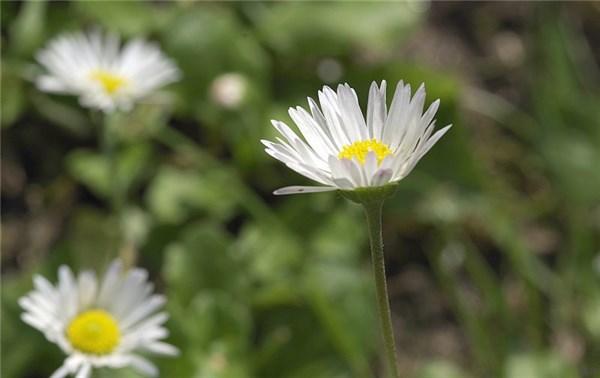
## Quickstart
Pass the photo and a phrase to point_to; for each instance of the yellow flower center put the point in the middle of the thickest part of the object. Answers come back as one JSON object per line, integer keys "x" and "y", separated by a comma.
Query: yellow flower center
{"x": 359, "y": 150}
{"x": 109, "y": 81}
{"x": 94, "y": 332}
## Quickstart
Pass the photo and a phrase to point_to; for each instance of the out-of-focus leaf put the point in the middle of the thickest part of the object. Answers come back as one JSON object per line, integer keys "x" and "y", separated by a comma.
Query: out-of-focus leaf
{"x": 271, "y": 262}
{"x": 340, "y": 237}
{"x": 576, "y": 167}
{"x": 220, "y": 317}
{"x": 144, "y": 120}
{"x": 539, "y": 366}
{"x": 201, "y": 259}
{"x": 334, "y": 28}
{"x": 93, "y": 238}
{"x": 302, "y": 350}
{"x": 94, "y": 170}
{"x": 91, "y": 169}
{"x": 340, "y": 291}
{"x": 440, "y": 369}
{"x": 27, "y": 32}
{"x": 213, "y": 36}
{"x": 176, "y": 194}
{"x": 135, "y": 224}
{"x": 68, "y": 117}
{"x": 219, "y": 362}
{"x": 343, "y": 299}
{"x": 132, "y": 161}
{"x": 117, "y": 16}
{"x": 13, "y": 97}
{"x": 591, "y": 315}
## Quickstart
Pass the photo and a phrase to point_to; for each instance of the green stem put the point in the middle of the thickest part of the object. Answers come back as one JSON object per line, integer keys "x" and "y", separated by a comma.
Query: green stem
{"x": 127, "y": 251}
{"x": 373, "y": 213}
{"x": 116, "y": 194}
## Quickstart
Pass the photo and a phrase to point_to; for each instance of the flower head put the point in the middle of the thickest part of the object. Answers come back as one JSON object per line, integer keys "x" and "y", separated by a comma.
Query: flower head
{"x": 104, "y": 74}
{"x": 229, "y": 90}
{"x": 343, "y": 151}
{"x": 99, "y": 323}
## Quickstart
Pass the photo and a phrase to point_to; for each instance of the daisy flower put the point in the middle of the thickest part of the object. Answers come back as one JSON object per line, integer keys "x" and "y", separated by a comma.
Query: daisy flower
{"x": 103, "y": 74}
{"x": 341, "y": 150}
{"x": 104, "y": 323}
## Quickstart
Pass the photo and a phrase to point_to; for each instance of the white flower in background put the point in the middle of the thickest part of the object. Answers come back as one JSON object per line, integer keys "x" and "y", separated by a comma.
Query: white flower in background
{"x": 229, "y": 90}
{"x": 103, "y": 323}
{"x": 342, "y": 151}
{"x": 104, "y": 74}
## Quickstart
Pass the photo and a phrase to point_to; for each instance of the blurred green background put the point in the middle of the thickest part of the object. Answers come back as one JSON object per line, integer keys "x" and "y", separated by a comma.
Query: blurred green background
{"x": 492, "y": 243}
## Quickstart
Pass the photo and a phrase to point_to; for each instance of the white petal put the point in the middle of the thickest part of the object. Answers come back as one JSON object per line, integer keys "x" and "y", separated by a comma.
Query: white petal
{"x": 85, "y": 371}
{"x": 33, "y": 321}
{"x": 131, "y": 292}
{"x": 381, "y": 177}
{"x": 343, "y": 183}
{"x": 87, "y": 289}
{"x": 142, "y": 311}
{"x": 329, "y": 106}
{"x": 354, "y": 122}
{"x": 61, "y": 372}
{"x": 152, "y": 322}
{"x": 313, "y": 134}
{"x": 353, "y": 170}
{"x": 337, "y": 168}
{"x": 45, "y": 287}
{"x": 110, "y": 282}
{"x": 143, "y": 366}
{"x": 397, "y": 109}
{"x": 48, "y": 83}
{"x": 158, "y": 347}
{"x": 415, "y": 159}
{"x": 376, "y": 110}
{"x": 303, "y": 189}
{"x": 71, "y": 365}
{"x": 68, "y": 292}
{"x": 409, "y": 122}
{"x": 370, "y": 166}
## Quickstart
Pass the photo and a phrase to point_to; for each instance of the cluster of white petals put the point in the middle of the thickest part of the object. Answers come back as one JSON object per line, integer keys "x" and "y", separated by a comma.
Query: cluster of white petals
{"x": 101, "y": 72}
{"x": 125, "y": 297}
{"x": 341, "y": 150}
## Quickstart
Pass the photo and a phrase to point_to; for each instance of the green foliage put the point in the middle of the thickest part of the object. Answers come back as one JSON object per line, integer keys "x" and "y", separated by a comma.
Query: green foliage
{"x": 491, "y": 243}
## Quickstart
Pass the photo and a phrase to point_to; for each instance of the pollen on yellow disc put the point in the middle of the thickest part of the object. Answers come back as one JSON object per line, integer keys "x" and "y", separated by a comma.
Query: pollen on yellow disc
{"x": 359, "y": 150}
{"x": 94, "y": 332}
{"x": 109, "y": 81}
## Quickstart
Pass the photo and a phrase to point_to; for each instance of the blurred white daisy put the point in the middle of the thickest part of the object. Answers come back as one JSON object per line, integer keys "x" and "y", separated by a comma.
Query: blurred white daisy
{"x": 103, "y": 74}
{"x": 98, "y": 324}
{"x": 343, "y": 151}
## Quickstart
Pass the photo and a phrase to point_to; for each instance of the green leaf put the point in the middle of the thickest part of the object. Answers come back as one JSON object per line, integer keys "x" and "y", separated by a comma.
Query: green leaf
{"x": 93, "y": 238}
{"x": 440, "y": 369}
{"x": 335, "y": 27}
{"x": 271, "y": 262}
{"x": 200, "y": 259}
{"x": 27, "y": 32}
{"x": 176, "y": 194}
{"x": 94, "y": 170}
{"x": 13, "y": 100}
{"x": 540, "y": 365}
{"x": 117, "y": 16}
{"x": 91, "y": 169}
